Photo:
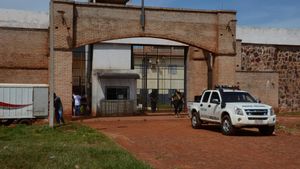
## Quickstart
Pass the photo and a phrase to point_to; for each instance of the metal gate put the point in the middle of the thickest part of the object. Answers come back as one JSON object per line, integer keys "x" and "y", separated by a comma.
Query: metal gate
{"x": 80, "y": 79}
{"x": 162, "y": 71}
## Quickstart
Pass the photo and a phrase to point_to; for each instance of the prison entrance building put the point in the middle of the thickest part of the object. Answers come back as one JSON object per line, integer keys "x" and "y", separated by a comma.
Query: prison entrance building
{"x": 114, "y": 60}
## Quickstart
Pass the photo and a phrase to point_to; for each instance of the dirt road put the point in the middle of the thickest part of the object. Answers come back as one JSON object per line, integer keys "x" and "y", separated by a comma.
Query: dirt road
{"x": 166, "y": 142}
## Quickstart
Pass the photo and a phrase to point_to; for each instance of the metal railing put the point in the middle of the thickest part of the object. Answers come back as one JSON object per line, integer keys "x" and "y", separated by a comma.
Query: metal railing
{"x": 116, "y": 108}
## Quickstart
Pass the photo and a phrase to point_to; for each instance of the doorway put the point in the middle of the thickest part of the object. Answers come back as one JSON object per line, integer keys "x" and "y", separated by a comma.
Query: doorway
{"x": 162, "y": 71}
{"x": 80, "y": 82}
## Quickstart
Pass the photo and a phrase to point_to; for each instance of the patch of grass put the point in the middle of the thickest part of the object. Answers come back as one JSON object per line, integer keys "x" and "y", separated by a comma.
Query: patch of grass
{"x": 69, "y": 146}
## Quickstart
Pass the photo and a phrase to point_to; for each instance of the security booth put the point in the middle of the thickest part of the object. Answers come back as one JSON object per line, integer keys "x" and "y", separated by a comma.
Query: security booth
{"x": 115, "y": 92}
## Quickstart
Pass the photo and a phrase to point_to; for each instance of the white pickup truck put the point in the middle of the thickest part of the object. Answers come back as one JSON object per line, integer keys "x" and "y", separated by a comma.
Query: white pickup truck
{"x": 232, "y": 109}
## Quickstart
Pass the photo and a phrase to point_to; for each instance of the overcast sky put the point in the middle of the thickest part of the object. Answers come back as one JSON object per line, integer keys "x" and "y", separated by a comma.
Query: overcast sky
{"x": 254, "y": 13}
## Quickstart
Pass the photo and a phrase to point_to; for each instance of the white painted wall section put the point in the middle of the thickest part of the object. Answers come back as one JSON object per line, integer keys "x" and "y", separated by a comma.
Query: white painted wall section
{"x": 273, "y": 36}
{"x": 111, "y": 56}
{"x": 23, "y": 19}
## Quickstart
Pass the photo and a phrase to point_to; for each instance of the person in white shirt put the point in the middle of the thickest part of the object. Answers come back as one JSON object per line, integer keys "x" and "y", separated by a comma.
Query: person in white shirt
{"x": 77, "y": 99}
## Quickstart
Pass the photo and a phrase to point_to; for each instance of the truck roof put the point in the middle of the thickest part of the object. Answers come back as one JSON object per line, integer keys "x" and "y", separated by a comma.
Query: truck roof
{"x": 227, "y": 90}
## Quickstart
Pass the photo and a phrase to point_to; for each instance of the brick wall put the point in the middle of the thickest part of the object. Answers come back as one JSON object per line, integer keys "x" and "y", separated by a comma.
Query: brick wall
{"x": 224, "y": 70}
{"x": 63, "y": 79}
{"x": 197, "y": 79}
{"x": 282, "y": 59}
{"x": 261, "y": 85}
{"x": 204, "y": 29}
{"x": 24, "y": 55}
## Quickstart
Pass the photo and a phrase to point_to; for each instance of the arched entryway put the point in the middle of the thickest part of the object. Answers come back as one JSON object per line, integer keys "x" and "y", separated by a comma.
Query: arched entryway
{"x": 78, "y": 24}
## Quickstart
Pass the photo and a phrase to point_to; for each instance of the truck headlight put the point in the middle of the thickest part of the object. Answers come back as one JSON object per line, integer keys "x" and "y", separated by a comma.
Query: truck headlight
{"x": 272, "y": 113}
{"x": 239, "y": 111}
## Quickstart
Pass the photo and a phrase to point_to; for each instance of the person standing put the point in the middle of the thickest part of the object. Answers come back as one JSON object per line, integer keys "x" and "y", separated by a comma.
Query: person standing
{"x": 177, "y": 100}
{"x": 77, "y": 104}
{"x": 153, "y": 100}
{"x": 58, "y": 107}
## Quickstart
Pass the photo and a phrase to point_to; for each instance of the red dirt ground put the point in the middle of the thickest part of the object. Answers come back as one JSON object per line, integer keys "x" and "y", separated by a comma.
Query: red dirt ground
{"x": 166, "y": 142}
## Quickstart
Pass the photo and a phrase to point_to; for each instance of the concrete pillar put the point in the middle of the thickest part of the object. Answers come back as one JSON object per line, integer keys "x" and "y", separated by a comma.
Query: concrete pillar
{"x": 63, "y": 80}
{"x": 197, "y": 78}
{"x": 224, "y": 64}
{"x": 224, "y": 70}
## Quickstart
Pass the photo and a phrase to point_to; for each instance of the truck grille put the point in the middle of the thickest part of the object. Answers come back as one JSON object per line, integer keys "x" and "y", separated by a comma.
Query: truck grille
{"x": 256, "y": 112}
{"x": 257, "y": 118}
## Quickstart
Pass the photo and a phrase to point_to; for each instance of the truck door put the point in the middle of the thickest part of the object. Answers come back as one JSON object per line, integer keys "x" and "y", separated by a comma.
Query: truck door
{"x": 204, "y": 105}
{"x": 214, "y": 106}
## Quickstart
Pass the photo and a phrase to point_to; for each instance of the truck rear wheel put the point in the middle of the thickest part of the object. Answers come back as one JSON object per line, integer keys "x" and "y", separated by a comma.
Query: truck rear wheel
{"x": 25, "y": 121}
{"x": 195, "y": 120}
{"x": 266, "y": 130}
{"x": 227, "y": 127}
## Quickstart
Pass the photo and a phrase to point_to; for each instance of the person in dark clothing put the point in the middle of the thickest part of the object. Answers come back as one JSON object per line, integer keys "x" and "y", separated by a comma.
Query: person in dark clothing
{"x": 153, "y": 100}
{"x": 58, "y": 107}
{"x": 177, "y": 100}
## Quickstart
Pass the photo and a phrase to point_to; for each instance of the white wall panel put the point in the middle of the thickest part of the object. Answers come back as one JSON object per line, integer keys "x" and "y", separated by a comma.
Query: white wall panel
{"x": 111, "y": 56}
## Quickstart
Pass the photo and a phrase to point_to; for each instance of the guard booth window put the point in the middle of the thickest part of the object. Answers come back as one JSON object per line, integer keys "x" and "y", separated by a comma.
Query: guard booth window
{"x": 117, "y": 93}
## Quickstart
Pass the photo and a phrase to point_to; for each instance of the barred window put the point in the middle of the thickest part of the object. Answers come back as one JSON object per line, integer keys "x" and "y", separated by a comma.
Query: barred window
{"x": 117, "y": 93}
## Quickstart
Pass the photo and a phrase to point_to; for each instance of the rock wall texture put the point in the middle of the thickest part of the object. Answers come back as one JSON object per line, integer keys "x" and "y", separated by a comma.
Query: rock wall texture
{"x": 283, "y": 59}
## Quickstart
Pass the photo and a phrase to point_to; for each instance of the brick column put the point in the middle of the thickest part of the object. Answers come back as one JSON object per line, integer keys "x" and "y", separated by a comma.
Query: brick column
{"x": 224, "y": 70}
{"x": 63, "y": 44}
{"x": 196, "y": 73}
{"x": 63, "y": 80}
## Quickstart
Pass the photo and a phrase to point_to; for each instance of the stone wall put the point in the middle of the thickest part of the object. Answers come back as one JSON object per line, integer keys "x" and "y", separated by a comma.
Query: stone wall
{"x": 282, "y": 59}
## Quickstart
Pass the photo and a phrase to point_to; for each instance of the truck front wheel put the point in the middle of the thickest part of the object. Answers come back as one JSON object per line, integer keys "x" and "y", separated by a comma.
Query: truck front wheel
{"x": 266, "y": 130}
{"x": 227, "y": 127}
{"x": 196, "y": 122}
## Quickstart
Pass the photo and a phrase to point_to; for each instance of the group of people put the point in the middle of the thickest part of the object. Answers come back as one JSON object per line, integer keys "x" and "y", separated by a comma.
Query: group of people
{"x": 58, "y": 107}
{"x": 176, "y": 101}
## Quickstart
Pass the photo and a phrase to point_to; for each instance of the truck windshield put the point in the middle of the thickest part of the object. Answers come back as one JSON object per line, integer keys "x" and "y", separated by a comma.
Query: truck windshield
{"x": 238, "y": 97}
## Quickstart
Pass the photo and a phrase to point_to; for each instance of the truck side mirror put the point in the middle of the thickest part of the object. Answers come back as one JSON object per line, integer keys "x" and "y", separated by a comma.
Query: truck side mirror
{"x": 257, "y": 100}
